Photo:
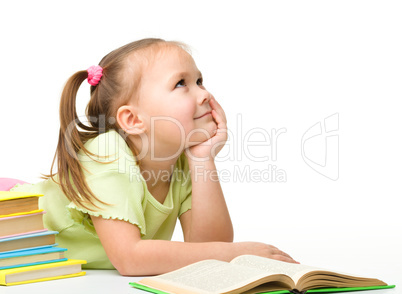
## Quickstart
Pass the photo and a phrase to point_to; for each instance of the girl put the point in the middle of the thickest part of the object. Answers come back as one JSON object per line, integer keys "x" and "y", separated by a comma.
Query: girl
{"x": 144, "y": 159}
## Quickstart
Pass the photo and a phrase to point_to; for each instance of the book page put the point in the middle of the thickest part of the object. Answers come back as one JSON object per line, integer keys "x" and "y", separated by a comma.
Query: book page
{"x": 318, "y": 278}
{"x": 293, "y": 270}
{"x": 209, "y": 276}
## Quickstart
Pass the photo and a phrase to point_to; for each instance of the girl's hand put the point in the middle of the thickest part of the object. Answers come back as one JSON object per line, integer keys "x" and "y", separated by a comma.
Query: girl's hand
{"x": 263, "y": 250}
{"x": 211, "y": 147}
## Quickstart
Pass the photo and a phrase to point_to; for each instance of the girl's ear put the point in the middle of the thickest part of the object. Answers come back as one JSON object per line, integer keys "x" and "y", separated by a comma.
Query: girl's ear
{"x": 128, "y": 119}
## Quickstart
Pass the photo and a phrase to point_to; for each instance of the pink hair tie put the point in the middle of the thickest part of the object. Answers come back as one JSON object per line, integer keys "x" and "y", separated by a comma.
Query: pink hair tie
{"x": 94, "y": 74}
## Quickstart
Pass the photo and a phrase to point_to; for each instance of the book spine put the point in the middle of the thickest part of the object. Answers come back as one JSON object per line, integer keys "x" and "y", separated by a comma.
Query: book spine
{"x": 21, "y": 234}
{"x": 33, "y": 263}
{"x": 44, "y": 279}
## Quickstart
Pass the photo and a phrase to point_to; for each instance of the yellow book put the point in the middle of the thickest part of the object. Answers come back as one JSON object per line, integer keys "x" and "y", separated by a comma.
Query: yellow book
{"x": 43, "y": 272}
{"x": 9, "y": 195}
{"x": 17, "y": 203}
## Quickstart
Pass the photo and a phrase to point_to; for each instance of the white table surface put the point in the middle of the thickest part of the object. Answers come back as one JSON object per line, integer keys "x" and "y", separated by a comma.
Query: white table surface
{"x": 104, "y": 281}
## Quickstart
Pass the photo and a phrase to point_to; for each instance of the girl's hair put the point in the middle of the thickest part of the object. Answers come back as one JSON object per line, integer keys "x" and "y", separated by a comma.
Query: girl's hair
{"x": 118, "y": 85}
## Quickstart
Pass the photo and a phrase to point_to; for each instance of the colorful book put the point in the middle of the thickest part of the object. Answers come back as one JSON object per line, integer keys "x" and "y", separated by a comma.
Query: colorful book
{"x": 15, "y": 203}
{"x": 31, "y": 257}
{"x": 28, "y": 241}
{"x": 38, "y": 247}
{"x": 21, "y": 224}
{"x": 253, "y": 274}
{"x": 43, "y": 272}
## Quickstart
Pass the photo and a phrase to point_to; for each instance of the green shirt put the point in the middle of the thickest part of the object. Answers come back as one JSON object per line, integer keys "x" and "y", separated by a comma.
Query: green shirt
{"x": 114, "y": 177}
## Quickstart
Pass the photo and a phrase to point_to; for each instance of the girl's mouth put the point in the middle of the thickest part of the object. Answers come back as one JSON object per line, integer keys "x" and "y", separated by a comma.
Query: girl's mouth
{"x": 204, "y": 115}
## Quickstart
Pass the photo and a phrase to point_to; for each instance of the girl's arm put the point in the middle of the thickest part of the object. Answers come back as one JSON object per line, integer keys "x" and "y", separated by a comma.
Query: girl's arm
{"x": 208, "y": 219}
{"x": 132, "y": 256}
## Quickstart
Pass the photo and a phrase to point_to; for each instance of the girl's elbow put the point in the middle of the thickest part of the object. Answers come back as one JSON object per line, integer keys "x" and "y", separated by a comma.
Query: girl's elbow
{"x": 123, "y": 268}
{"x": 127, "y": 264}
{"x": 128, "y": 268}
{"x": 123, "y": 272}
{"x": 135, "y": 262}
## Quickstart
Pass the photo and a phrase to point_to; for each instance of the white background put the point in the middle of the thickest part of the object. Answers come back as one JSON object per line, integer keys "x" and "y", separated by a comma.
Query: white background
{"x": 271, "y": 65}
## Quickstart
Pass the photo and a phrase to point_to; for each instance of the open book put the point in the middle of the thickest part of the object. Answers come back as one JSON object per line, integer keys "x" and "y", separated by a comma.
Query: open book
{"x": 252, "y": 274}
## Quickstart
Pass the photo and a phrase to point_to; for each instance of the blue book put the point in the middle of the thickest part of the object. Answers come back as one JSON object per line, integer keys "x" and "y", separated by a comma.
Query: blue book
{"x": 27, "y": 241}
{"x": 38, "y": 247}
{"x": 31, "y": 257}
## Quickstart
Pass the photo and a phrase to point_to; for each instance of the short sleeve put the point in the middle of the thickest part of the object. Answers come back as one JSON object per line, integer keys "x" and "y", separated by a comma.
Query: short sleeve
{"x": 123, "y": 199}
{"x": 185, "y": 205}
{"x": 184, "y": 180}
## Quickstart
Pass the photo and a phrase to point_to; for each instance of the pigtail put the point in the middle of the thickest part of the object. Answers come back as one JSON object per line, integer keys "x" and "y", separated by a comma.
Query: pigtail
{"x": 69, "y": 169}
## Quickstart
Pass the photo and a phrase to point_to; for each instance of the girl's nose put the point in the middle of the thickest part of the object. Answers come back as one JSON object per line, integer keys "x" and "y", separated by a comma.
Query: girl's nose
{"x": 204, "y": 97}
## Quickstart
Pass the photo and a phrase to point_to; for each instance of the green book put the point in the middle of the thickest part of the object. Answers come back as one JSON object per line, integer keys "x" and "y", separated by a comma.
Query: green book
{"x": 253, "y": 274}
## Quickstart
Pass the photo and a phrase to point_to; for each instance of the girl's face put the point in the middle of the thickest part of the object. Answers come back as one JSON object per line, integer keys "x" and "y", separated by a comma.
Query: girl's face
{"x": 173, "y": 101}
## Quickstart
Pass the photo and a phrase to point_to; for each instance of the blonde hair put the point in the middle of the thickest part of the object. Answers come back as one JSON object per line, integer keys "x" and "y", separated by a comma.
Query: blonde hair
{"x": 113, "y": 91}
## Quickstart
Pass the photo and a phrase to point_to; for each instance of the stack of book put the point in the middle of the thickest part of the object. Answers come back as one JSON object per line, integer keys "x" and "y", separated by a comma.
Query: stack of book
{"x": 28, "y": 252}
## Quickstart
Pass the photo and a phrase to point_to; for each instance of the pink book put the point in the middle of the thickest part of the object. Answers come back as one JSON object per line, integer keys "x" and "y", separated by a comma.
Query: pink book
{"x": 21, "y": 224}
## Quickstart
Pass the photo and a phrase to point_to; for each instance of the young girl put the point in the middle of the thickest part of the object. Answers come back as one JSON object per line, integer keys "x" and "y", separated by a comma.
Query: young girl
{"x": 144, "y": 158}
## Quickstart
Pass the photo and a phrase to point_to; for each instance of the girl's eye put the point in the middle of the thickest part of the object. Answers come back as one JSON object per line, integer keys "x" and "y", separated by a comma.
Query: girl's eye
{"x": 180, "y": 84}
